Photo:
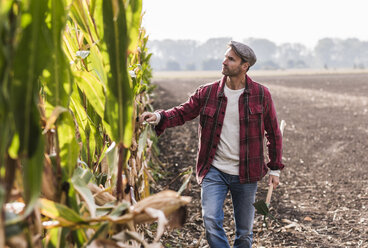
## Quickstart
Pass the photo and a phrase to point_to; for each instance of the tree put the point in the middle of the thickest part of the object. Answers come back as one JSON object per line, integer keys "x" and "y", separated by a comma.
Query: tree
{"x": 172, "y": 65}
{"x": 324, "y": 51}
{"x": 264, "y": 49}
{"x": 182, "y": 51}
{"x": 292, "y": 55}
{"x": 211, "y": 64}
{"x": 213, "y": 48}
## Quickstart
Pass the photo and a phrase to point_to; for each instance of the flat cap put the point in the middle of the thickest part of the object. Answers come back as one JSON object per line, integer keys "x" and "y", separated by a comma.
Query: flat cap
{"x": 244, "y": 51}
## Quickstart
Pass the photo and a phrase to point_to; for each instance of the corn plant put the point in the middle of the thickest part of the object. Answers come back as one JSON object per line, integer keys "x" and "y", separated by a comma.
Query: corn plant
{"x": 74, "y": 170}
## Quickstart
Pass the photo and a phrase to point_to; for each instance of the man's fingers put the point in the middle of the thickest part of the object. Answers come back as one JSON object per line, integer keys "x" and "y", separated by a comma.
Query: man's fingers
{"x": 151, "y": 118}
{"x": 148, "y": 117}
{"x": 143, "y": 117}
{"x": 274, "y": 180}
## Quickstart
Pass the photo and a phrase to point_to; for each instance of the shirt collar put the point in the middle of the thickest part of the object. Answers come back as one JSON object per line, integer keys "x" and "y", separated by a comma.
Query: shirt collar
{"x": 247, "y": 89}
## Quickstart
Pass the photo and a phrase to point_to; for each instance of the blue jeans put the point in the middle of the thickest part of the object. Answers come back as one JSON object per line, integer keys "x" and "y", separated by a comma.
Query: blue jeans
{"x": 215, "y": 186}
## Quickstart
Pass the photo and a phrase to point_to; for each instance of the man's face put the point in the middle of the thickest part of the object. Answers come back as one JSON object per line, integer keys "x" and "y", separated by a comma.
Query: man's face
{"x": 232, "y": 64}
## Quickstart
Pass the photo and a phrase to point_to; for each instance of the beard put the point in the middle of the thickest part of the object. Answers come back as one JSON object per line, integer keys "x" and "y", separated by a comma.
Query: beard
{"x": 231, "y": 72}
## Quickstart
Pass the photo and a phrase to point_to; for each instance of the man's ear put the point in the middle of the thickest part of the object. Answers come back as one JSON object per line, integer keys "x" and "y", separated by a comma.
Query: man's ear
{"x": 246, "y": 66}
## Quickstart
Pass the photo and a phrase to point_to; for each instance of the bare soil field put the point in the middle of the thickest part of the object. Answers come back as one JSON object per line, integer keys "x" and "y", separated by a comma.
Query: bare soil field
{"x": 322, "y": 200}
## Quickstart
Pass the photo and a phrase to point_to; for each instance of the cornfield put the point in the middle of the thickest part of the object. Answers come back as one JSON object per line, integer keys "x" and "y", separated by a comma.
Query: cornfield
{"x": 74, "y": 164}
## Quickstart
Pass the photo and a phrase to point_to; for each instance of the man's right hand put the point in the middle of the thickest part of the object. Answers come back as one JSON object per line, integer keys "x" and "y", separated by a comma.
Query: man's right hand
{"x": 148, "y": 117}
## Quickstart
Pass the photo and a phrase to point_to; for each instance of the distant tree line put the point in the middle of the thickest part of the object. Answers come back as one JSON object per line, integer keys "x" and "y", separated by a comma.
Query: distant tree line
{"x": 177, "y": 55}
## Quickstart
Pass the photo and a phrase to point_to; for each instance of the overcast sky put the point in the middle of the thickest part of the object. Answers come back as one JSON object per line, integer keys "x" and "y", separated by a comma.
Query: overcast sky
{"x": 303, "y": 21}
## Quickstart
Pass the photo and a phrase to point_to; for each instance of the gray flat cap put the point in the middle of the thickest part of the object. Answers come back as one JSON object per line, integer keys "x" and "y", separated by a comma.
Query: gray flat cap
{"x": 244, "y": 51}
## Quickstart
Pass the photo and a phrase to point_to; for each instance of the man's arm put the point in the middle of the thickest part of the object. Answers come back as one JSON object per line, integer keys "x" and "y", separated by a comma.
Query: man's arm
{"x": 175, "y": 116}
{"x": 274, "y": 137}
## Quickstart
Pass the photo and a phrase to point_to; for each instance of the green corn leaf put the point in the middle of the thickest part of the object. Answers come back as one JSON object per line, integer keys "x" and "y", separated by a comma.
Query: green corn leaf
{"x": 56, "y": 238}
{"x": 5, "y": 129}
{"x": 2, "y": 196}
{"x": 97, "y": 141}
{"x": 32, "y": 177}
{"x": 70, "y": 42}
{"x": 80, "y": 180}
{"x": 14, "y": 147}
{"x": 103, "y": 228}
{"x": 142, "y": 141}
{"x": 84, "y": 175}
{"x": 133, "y": 16}
{"x": 119, "y": 99}
{"x": 97, "y": 15}
{"x": 4, "y": 72}
{"x": 57, "y": 77}
{"x": 119, "y": 209}
{"x": 60, "y": 212}
{"x": 78, "y": 109}
{"x": 69, "y": 148}
{"x": 5, "y": 6}
{"x": 100, "y": 232}
{"x": 97, "y": 64}
{"x": 79, "y": 13}
{"x": 80, "y": 237}
{"x": 89, "y": 145}
{"x": 84, "y": 122}
{"x": 112, "y": 160}
{"x": 93, "y": 90}
{"x": 31, "y": 58}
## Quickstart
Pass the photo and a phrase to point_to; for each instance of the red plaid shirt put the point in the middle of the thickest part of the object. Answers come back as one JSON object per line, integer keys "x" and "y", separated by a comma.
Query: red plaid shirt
{"x": 256, "y": 114}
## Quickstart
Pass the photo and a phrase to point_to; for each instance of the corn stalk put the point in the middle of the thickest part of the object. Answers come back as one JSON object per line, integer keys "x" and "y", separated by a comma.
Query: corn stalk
{"x": 74, "y": 167}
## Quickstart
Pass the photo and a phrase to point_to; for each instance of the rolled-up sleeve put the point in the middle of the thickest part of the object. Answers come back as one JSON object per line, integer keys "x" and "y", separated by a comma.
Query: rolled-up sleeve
{"x": 177, "y": 116}
{"x": 273, "y": 135}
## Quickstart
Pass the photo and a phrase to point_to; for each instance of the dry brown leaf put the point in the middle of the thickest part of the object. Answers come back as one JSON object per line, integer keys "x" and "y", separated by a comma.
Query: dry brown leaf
{"x": 53, "y": 117}
{"x": 103, "y": 243}
{"x": 148, "y": 173}
{"x": 19, "y": 241}
{"x": 48, "y": 180}
{"x": 133, "y": 165}
{"x": 104, "y": 166}
{"x": 167, "y": 201}
{"x": 101, "y": 196}
{"x": 161, "y": 221}
{"x": 134, "y": 145}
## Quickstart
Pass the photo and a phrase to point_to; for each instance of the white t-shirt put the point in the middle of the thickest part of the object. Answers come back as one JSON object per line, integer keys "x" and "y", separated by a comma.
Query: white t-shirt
{"x": 227, "y": 154}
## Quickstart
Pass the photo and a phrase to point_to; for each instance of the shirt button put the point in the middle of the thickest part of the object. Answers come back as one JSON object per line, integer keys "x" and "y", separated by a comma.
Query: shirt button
{"x": 214, "y": 146}
{"x": 219, "y": 124}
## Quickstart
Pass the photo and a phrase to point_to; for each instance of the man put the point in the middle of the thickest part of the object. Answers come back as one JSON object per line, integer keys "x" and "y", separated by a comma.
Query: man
{"x": 234, "y": 114}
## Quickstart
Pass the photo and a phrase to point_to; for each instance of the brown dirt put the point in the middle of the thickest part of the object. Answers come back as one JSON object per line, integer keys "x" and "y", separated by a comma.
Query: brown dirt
{"x": 322, "y": 200}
